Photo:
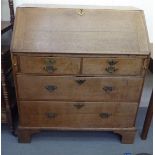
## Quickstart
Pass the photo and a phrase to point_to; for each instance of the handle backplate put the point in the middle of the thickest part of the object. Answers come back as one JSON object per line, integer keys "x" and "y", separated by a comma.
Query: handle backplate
{"x": 51, "y": 114}
{"x": 104, "y": 115}
{"x": 108, "y": 89}
{"x": 112, "y": 62}
{"x": 81, "y": 12}
{"x": 80, "y": 81}
{"x": 79, "y": 105}
{"x": 49, "y": 65}
{"x": 51, "y": 88}
{"x": 111, "y": 69}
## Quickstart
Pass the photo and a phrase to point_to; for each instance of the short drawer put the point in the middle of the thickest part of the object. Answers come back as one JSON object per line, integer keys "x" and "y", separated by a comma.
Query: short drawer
{"x": 66, "y": 114}
{"x": 49, "y": 65}
{"x": 113, "y": 66}
{"x": 79, "y": 88}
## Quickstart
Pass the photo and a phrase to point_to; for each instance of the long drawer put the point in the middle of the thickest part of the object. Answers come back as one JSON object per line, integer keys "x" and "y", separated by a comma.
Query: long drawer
{"x": 79, "y": 88}
{"x": 77, "y": 114}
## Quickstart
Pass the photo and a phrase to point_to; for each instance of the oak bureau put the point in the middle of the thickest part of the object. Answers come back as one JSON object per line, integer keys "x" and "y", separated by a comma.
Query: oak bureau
{"x": 79, "y": 69}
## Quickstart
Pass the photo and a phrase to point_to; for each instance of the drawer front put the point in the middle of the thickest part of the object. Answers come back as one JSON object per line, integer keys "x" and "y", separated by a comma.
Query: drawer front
{"x": 113, "y": 66}
{"x": 50, "y": 65}
{"x": 66, "y": 114}
{"x": 79, "y": 88}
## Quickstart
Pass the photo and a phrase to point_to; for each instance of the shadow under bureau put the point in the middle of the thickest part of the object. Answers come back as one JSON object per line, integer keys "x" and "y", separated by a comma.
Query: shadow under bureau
{"x": 79, "y": 69}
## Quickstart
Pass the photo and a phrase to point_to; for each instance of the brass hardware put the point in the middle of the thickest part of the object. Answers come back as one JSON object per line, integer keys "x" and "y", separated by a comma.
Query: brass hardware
{"x": 112, "y": 62}
{"x": 108, "y": 89}
{"x": 15, "y": 64}
{"x": 104, "y": 115}
{"x": 81, "y": 12}
{"x": 51, "y": 114}
{"x": 78, "y": 105}
{"x": 111, "y": 69}
{"x": 51, "y": 88}
{"x": 80, "y": 81}
{"x": 49, "y": 69}
{"x": 49, "y": 65}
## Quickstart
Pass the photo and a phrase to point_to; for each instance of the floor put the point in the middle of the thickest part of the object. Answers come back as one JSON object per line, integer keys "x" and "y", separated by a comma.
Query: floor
{"x": 82, "y": 143}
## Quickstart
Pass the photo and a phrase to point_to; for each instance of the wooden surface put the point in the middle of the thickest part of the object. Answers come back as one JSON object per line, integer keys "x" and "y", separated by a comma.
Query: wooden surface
{"x": 79, "y": 69}
{"x": 93, "y": 89}
{"x": 8, "y": 106}
{"x": 97, "y": 31}
{"x": 79, "y": 65}
{"x": 61, "y": 65}
{"x": 123, "y": 66}
{"x": 68, "y": 115}
{"x": 12, "y": 15}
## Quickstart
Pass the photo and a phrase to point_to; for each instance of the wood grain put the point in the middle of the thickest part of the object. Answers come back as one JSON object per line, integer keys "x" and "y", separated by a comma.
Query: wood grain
{"x": 123, "y": 66}
{"x": 34, "y": 88}
{"x": 121, "y": 114}
{"x": 65, "y": 31}
{"x": 61, "y": 65}
{"x": 79, "y": 69}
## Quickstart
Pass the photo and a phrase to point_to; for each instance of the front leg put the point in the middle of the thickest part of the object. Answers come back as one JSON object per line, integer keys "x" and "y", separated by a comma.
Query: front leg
{"x": 24, "y": 135}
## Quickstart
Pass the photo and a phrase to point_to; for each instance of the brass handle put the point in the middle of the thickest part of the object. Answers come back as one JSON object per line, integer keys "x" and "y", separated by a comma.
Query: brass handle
{"x": 51, "y": 114}
{"x": 104, "y": 115}
{"x": 112, "y": 62}
{"x": 108, "y": 89}
{"x": 111, "y": 69}
{"x": 80, "y": 81}
{"x": 49, "y": 65}
{"x": 15, "y": 64}
{"x": 81, "y": 12}
{"x": 51, "y": 88}
{"x": 50, "y": 69}
{"x": 78, "y": 105}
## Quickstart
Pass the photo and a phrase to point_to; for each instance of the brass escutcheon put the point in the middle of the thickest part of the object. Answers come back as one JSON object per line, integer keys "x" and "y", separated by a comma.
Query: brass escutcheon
{"x": 108, "y": 89}
{"x": 81, "y": 12}
{"x": 78, "y": 105}
{"x": 51, "y": 114}
{"x": 49, "y": 65}
{"x": 111, "y": 69}
{"x": 51, "y": 88}
{"x": 104, "y": 115}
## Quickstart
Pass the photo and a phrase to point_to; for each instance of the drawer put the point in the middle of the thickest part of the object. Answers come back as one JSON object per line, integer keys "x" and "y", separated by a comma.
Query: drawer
{"x": 79, "y": 88}
{"x": 113, "y": 66}
{"x": 49, "y": 65}
{"x": 66, "y": 114}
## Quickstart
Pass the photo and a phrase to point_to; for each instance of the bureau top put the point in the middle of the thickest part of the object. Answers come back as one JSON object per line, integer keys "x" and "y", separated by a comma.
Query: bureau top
{"x": 75, "y": 30}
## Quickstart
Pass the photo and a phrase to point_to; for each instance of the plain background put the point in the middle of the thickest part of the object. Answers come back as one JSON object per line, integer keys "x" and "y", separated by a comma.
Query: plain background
{"x": 146, "y": 5}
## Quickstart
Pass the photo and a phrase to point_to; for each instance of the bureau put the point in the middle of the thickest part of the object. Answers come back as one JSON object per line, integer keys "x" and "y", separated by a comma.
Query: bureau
{"x": 79, "y": 69}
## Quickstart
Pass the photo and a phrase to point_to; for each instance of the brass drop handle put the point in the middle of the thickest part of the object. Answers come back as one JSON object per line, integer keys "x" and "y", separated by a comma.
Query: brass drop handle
{"x": 79, "y": 105}
{"x": 104, "y": 115}
{"x": 81, "y": 12}
{"x": 111, "y": 69}
{"x": 51, "y": 88}
{"x": 80, "y": 81}
{"x": 108, "y": 89}
{"x": 49, "y": 69}
{"x": 49, "y": 65}
{"x": 112, "y": 62}
{"x": 51, "y": 114}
